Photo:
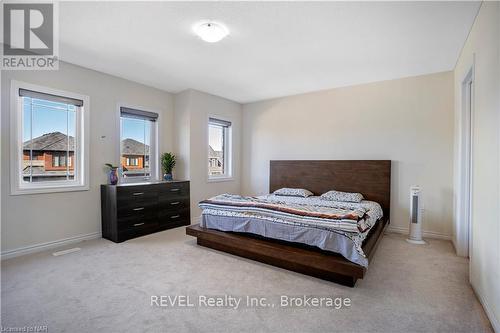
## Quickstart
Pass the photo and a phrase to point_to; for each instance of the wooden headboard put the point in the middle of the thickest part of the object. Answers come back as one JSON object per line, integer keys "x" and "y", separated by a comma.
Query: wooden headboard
{"x": 372, "y": 178}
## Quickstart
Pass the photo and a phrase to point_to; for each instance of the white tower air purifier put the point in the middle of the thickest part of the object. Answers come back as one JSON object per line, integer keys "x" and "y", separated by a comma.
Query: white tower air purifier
{"x": 415, "y": 236}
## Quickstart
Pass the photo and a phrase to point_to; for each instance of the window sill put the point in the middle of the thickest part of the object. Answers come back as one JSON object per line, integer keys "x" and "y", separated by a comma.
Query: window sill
{"x": 220, "y": 179}
{"x": 43, "y": 190}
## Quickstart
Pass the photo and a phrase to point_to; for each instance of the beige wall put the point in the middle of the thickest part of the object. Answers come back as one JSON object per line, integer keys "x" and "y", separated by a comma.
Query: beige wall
{"x": 483, "y": 50}
{"x": 182, "y": 132}
{"x": 193, "y": 108}
{"x": 29, "y": 220}
{"x": 409, "y": 121}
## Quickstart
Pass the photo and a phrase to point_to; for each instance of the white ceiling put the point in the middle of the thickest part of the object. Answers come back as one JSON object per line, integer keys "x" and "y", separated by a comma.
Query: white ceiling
{"x": 274, "y": 49}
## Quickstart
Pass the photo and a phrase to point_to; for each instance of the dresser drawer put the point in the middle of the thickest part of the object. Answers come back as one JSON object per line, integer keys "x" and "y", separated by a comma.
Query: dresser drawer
{"x": 136, "y": 231}
{"x": 173, "y": 191}
{"x": 139, "y": 208}
{"x": 173, "y": 217}
{"x": 132, "y": 193}
{"x": 173, "y": 204}
{"x": 136, "y": 221}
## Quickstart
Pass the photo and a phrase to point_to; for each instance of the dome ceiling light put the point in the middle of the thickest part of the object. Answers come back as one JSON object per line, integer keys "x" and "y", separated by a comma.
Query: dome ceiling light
{"x": 211, "y": 32}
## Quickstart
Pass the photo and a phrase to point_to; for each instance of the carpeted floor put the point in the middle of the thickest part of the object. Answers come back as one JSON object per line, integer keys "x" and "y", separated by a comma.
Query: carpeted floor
{"x": 107, "y": 287}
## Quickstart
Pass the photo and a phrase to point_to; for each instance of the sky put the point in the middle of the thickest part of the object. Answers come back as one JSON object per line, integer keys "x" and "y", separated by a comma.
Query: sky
{"x": 136, "y": 129}
{"x": 51, "y": 117}
{"x": 48, "y": 118}
{"x": 215, "y": 137}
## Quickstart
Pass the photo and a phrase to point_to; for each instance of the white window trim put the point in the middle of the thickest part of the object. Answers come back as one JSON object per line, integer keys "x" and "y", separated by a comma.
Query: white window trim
{"x": 228, "y": 151}
{"x": 154, "y": 156}
{"x": 16, "y": 141}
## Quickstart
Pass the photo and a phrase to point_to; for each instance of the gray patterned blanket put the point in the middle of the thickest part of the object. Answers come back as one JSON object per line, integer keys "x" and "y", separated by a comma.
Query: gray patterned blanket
{"x": 334, "y": 215}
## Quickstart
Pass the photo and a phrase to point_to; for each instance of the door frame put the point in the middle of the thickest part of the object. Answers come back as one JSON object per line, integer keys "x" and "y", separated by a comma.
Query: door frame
{"x": 465, "y": 166}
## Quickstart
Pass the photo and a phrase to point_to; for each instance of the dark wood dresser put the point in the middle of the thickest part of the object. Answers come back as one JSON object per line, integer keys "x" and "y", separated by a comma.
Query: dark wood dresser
{"x": 133, "y": 210}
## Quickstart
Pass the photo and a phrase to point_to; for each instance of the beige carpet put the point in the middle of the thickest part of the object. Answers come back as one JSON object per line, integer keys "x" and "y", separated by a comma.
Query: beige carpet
{"x": 107, "y": 287}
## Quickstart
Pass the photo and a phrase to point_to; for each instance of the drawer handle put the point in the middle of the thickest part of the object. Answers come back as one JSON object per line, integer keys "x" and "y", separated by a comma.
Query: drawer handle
{"x": 138, "y": 193}
{"x": 138, "y": 224}
{"x": 175, "y": 217}
{"x": 174, "y": 190}
{"x": 137, "y": 209}
{"x": 175, "y": 203}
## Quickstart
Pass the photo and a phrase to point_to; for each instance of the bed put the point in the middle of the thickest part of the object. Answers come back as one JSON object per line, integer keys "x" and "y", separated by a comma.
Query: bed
{"x": 300, "y": 234}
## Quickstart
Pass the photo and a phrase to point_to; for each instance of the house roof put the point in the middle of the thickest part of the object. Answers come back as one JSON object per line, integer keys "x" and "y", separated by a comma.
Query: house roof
{"x": 55, "y": 141}
{"x": 213, "y": 153}
{"x": 133, "y": 147}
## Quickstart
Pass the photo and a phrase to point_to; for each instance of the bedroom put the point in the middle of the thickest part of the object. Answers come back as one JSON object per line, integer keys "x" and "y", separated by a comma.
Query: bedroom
{"x": 250, "y": 97}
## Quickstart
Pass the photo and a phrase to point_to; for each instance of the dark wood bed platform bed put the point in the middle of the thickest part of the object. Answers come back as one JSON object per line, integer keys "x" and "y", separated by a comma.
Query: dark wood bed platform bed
{"x": 372, "y": 178}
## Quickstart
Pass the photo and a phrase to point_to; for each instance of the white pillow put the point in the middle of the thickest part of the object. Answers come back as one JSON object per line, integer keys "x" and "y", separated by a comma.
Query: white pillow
{"x": 293, "y": 192}
{"x": 342, "y": 196}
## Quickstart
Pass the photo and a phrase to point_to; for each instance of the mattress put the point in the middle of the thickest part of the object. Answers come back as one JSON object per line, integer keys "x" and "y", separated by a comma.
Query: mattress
{"x": 339, "y": 227}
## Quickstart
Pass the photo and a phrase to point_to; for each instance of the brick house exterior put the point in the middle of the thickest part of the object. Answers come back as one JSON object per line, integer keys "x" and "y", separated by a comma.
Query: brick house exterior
{"x": 50, "y": 155}
{"x": 215, "y": 166}
{"x": 134, "y": 156}
{"x": 51, "y": 160}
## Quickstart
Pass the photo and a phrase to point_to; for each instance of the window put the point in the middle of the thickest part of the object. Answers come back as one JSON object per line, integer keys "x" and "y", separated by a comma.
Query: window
{"x": 59, "y": 160}
{"x": 219, "y": 152}
{"x": 132, "y": 161}
{"x": 48, "y": 131}
{"x": 138, "y": 142}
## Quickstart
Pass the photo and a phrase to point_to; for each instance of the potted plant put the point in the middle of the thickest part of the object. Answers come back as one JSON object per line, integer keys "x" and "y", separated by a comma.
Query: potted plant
{"x": 112, "y": 175}
{"x": 168, "y": 164}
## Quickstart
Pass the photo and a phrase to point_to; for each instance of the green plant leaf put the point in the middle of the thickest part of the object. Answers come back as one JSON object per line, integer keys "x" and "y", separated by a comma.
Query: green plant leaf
{"x": 168, "y": 161}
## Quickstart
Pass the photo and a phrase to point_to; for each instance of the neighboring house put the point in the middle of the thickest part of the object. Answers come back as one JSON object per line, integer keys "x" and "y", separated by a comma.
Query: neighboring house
{"x": 215, "y": 165}
{"x": 134, "y": 156}
{"x": 49, "y": 156}
{"x": 53, "y": 157}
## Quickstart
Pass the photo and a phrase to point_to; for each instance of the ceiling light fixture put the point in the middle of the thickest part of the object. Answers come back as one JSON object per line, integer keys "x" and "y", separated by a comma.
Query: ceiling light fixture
{"x": 211, "y": 32}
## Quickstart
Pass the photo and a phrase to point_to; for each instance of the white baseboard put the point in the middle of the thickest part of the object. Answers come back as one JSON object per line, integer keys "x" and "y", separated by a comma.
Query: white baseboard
{"x": 47, "y": 246}
{"x": 489, "y": 312}
{"x": 425, "y": 234}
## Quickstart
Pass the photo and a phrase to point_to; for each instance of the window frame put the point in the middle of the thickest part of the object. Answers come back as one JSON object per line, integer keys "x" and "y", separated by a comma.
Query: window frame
{"x": 154, "y": 150}
{"x": 81, "y": 181}
{"x": 228, "y": 150}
